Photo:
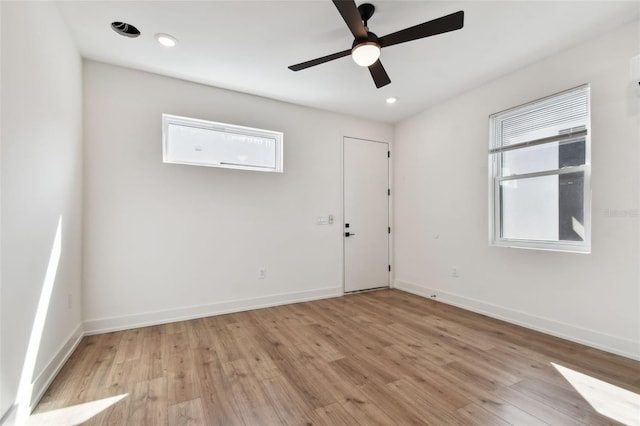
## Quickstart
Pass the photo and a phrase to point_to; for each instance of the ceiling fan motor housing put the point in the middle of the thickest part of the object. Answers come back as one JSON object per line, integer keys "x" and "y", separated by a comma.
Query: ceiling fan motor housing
{"x": 366, "y": 12}
{"x": 371, "y": 39}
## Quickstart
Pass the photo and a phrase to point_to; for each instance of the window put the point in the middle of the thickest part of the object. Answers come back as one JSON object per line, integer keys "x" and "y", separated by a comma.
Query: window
{"x": 539, "y": 165}
{"x": 207, "y": 143}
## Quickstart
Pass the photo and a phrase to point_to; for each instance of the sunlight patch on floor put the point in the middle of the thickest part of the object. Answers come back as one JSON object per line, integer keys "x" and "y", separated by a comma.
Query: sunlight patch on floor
{"x": 609, "y": 400}
{"x": 74, "y": 415}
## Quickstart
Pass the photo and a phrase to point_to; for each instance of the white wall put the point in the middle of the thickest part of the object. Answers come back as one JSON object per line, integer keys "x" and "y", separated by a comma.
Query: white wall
{"x": 166, "y": 241}
{"x": 441, "y": 205}
{"x": 41, "y": 179}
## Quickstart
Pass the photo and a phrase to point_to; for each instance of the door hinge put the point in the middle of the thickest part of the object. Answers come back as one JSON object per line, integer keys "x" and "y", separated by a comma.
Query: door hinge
{"x": 388, "y": 154}
{"x": 389, "y": 192}
{"x": 389, "y": 268}
{"x": 389, "y": 229}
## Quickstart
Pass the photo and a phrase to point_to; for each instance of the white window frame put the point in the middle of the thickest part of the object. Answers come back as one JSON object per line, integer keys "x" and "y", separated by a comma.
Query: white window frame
{"x": 168, "y": 119}
{"x": 496, "y": 178}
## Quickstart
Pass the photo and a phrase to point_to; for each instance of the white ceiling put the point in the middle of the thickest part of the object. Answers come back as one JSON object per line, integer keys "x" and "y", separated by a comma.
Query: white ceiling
{"x": 247, "y": 45}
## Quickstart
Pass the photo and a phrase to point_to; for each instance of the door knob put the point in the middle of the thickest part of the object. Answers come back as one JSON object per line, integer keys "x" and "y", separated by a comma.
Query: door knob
{"x": 348, "y": 234}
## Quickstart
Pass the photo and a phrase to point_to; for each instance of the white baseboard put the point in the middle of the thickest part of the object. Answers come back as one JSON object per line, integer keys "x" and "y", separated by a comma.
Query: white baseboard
{"x": 106, "y": 325}
{"x": 617, "y": 345}
{"x": 46, "y": 376}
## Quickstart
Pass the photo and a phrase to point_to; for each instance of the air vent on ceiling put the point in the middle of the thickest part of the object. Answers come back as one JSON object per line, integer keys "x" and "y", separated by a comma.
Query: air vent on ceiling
{"x": 125, "y": 29}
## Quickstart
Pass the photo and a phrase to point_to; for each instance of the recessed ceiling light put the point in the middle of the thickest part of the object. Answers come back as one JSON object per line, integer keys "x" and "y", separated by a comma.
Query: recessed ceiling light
{"x": 166, "y": 40}
{"x": 392, "y": 100}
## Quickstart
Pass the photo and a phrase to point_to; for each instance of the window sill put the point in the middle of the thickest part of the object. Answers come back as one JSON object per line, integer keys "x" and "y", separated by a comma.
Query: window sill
{"x": 536, "y": 245}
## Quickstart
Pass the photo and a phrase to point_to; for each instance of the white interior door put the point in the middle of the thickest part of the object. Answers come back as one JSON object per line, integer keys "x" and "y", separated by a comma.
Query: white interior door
{"x": 366, "y": 214}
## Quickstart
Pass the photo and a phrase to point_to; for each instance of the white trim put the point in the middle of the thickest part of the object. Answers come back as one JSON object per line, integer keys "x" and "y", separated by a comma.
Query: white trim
{"x": 46, "y": 376}
{"x": 176, "y": 120}
{"x": 595, "y": 339}
{"x": 560, "y": 245}
{"x": 390, "y": 259}
{"x": 497, "y": 146}
{"x": 570, "y": 169}
{"x": 126, "y": 322}
{"x": 390, "y": 207}
{"x": 562, "y": 137}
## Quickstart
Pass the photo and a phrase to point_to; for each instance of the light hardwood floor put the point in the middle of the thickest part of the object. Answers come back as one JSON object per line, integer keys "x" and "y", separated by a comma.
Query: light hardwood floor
{"x": 383, "y": 357}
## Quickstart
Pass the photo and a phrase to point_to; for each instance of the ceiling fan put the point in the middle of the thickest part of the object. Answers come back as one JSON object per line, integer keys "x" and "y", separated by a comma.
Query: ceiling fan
{"x": 366, "y": 45}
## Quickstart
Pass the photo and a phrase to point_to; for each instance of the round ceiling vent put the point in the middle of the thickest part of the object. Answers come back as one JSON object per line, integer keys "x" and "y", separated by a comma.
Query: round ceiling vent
{"x": 125, "y": 29}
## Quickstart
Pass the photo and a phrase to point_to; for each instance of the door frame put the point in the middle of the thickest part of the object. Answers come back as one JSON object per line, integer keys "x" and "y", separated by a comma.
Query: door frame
{"x": 389, "y": 209}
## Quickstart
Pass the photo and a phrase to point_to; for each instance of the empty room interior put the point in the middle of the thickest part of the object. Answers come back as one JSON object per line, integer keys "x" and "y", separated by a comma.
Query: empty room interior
{"x": 320, "y": 212}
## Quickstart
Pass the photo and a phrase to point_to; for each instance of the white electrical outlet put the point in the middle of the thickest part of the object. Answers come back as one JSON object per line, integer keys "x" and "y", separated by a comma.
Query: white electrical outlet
{"x": 454, "y": 272}
{"x": 262, "y": 274}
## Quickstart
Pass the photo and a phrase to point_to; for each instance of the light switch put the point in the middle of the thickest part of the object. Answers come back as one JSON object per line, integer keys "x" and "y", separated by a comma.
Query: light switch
{"x": 322, "y": 220}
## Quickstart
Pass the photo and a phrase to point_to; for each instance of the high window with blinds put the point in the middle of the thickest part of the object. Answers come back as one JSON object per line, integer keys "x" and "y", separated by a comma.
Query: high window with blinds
{"x": 208, "y": 143}
{"x": 539, "y": 165}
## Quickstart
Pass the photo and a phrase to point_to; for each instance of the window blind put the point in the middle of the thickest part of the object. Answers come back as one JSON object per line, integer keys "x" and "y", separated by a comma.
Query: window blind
{"x": 562, "y": 116}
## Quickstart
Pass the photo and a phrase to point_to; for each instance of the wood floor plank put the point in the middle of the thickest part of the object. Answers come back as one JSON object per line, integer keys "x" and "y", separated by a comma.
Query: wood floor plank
{"x": 201, "y": 340}
{"x": 564, "y": 400}
{"x": 386, "y": 402}
{"x": 188, "y": 413}
{"x": 405, "y": 362}
{"x": 153, "y": 365}
{"x": 473, "y": 414}
{"x": 215, "y": 394}
{"x": 437, "y": 392}
{"x": 290, "y": 405}
{"x": 360, "y": 373}
{"x": 225, "y": 348}
{"x": 121, "y": 378}
{"x": 321, "y": 348}
{"x": 341, "y": 389}
{"x": 95, "y": 372}
{"x": 333, "y": 414}
{"x": 252, "y": 402}
{"x": 149, "y": 403}
{"x": 383, "y": 357}
{"x": 546, "y": 413}
{"x": 261, "y": 364}
{"x": 366, "y": 411}
{"x": 414, "y": 399}
{"x": 130, "y": 347}
{"x": 76, "y": 372}
{"x": 509, "y": 413}
{"x": 180, "y": 373}
{"x": 292, "y": 365}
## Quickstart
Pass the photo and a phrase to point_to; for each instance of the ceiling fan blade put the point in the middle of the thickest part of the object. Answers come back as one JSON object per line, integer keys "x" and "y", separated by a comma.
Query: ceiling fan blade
{"x": 451, "y": 22}
{"x": 380, "y": 76}
{"x": 349, "y": 12}
{"x": 319, "y": 61}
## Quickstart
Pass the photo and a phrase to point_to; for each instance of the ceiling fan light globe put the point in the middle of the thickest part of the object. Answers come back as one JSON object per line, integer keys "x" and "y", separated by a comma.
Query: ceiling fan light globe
{"x": 366, "y": 54}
